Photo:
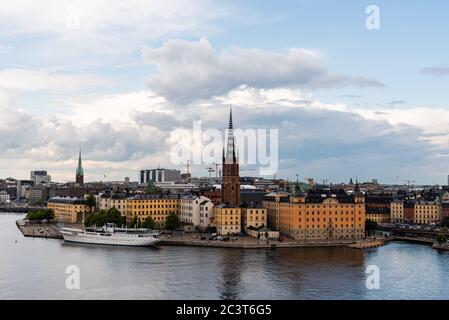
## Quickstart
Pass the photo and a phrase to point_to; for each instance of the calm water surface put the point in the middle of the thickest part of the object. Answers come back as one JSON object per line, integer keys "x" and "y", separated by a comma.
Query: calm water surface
{"x": 35, "y": 269}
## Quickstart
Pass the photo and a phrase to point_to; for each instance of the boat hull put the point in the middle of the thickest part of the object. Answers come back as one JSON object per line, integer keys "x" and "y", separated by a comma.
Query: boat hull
{"x": 113, "y": 241}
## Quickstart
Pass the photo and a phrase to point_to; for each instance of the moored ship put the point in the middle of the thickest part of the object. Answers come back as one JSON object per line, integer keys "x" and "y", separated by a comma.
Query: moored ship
{"x": 110, "y": 235}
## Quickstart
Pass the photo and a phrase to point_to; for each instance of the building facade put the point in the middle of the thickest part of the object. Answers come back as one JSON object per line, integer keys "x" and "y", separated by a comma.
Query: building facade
{"x": 409, "y": 211}
{"x": 160, "y": 175}
{"x": 227, "y": 220}
{"x": 397, "y": 211}
{"x": 378, "y": 207}
{"x": 149, "y": 205}
{"x": 254, "y": 217}
{"x": 4, "y": 196}
{"x": 196, "y": 211}
{"x": 318, "y": 215}
{"x": 40, "y": 177}
{"x": 113, "y": 201}
{"x": 272, "y": 203}
{"x": 68, "y": 209}
{"x": 427, "y": 212}
{"x": 37, "y": 194}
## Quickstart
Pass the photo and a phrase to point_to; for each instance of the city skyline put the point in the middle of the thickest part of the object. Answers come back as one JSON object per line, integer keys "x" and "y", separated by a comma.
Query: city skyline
{"x": 351, "y": 104}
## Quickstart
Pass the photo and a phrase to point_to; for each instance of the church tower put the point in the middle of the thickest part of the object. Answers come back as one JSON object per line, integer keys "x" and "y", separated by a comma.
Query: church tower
{"x": 230, "y": 182}
{"x": 79, "y": 172}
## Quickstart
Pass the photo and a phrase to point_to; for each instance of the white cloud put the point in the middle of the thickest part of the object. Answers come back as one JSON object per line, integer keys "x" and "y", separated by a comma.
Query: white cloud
{"x": 32, "y": 80}
{"x": 99, "y": 32}
{"x": 114, "y": 108}
{"x": 47, "y": 16}
{"x": 434, "y": 122}
{"x": 436, "y": 71}
{"x": 316, "y": 139}
{"x": 193, "y": 70}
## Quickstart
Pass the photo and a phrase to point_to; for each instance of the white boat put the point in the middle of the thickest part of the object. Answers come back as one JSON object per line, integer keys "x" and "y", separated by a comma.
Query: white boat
{"x": 110, "y": 235}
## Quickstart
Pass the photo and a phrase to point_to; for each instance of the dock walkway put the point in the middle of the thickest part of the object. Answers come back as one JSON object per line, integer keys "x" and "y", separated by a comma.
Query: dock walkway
{"x": 39, "y": 230}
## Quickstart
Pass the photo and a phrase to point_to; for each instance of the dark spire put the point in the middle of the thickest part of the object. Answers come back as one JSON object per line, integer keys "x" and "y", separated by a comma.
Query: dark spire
{"x": 230, "y": 118}
{"x": 230, "y": 148}
{"x": 297, "y": 186}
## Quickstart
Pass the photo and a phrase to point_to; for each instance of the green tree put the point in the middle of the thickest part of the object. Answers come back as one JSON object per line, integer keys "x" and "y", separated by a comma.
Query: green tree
{"x": 112, "y": 215}
{"x": 445, "y": 222}
{"x": 148, "y": 223}
{"x": 133, "y": 222}
{"x": 440, "y": 238}
{"x": 370, "y": 226}
{"x": 90, "y": 201}
{"x": 40, "y": 214}
{"x": 172, "y": 222}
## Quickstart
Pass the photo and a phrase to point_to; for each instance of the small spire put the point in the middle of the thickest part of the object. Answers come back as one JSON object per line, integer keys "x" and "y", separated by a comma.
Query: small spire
{"x": 79, "y": 169}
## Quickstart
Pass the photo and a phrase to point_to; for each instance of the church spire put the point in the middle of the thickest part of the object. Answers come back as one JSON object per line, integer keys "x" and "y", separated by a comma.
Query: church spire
{"x": 230, "y": 180}
{"x": 79, "y": 169}
{"x": 230, "y": 118}
{"x": 79, "y": 178}
{"x": 230, "y": 148}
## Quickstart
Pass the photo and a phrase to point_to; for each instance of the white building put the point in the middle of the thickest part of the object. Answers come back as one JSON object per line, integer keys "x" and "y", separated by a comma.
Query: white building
{"x": 160, "y": 175}
{"x": 117, "y": 201}
{"x": 4, "y": 196}
{"x": 40, "y": 177}
{"x": 197, "y": 211}
{"x": 175, "y": 186}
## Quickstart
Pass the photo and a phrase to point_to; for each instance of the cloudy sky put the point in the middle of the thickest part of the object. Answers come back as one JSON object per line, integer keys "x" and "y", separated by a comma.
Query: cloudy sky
{"x": 124, "y": 80}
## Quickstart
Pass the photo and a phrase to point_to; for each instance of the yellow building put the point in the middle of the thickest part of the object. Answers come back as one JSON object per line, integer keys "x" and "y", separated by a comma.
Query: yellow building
{"x": 254, "y": 217}
{"x": 378, "y": 215}
{"x": 68, "y": 209}
{"x": 227, "y": 220}
{"x": 427, "y": 212}
{"x": 318, "y": 215}
{"x": 154, "y": 206}
{"x": 397, "y": 211}
{"x": 273, "y": 207}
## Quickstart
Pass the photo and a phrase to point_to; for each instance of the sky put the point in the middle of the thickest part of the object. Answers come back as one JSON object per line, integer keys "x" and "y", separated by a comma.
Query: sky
{"x": 125, "y": 80}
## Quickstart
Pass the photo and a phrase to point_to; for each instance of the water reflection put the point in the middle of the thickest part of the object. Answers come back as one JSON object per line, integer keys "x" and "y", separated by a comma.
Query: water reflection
{"x": 230, "y": 262}
{"x": 35, "y": 269}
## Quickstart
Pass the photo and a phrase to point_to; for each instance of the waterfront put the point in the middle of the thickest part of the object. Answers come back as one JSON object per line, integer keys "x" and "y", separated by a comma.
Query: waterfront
{"x": 35, "y": 269}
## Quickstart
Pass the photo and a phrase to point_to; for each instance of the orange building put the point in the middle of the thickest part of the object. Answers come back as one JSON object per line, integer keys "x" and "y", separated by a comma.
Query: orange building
{"x": 318, "y": 215}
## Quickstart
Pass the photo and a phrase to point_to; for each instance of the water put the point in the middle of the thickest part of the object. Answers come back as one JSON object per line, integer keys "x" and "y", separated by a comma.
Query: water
{"x": 35, "y": 269}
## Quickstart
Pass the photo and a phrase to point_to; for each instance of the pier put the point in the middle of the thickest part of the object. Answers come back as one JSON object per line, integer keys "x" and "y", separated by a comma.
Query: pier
{"x": 38, "y": 230}
{"x": 369, "y": 244}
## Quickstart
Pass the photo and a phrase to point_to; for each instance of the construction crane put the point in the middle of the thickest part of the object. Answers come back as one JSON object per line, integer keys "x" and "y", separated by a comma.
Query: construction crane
{"x": 408, "y": 182}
